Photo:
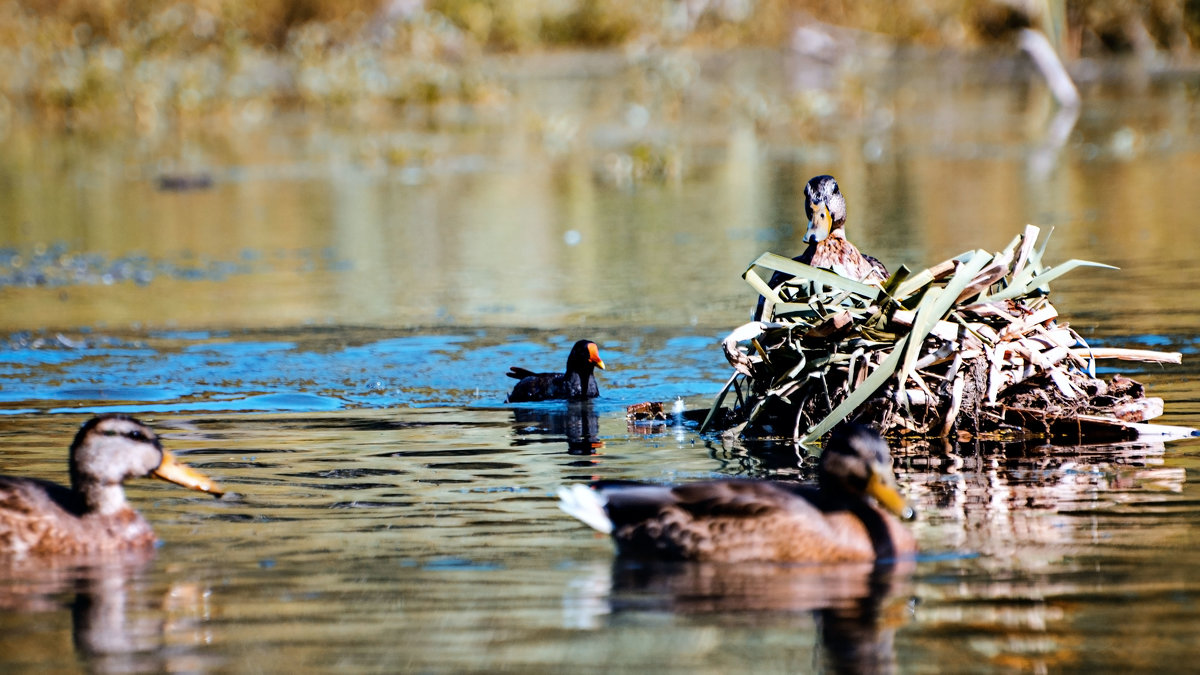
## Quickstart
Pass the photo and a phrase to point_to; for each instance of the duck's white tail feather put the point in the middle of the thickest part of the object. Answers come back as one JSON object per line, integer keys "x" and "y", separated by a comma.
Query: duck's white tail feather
{"x": 587, "y": 505}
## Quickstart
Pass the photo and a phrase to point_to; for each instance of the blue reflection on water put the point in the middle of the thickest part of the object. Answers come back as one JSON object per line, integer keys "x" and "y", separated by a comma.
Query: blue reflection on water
{"x": 330, "y": 369}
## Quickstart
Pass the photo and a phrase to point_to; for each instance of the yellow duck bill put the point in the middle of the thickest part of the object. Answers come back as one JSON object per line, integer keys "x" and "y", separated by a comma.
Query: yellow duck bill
{"x": 820, "y": 225}
{"x": 174, "y": 471}
{"x": 885, "y": 492}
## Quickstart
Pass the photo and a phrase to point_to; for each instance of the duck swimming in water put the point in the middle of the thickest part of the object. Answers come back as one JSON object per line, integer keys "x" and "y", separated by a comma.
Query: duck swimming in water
{"x": 851, "y": 516}
{"x": 828, "y": 247}
{"x": 38, "y": 517}
{"x": 579, "y": 380}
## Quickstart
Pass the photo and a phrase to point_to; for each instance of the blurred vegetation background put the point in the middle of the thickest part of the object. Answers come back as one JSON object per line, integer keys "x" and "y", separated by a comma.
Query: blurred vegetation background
{"x": 86, "y": 61}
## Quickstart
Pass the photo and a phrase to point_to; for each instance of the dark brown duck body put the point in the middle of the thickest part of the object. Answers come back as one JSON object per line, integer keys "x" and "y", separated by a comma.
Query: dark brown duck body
{"x": 577, "y": 381}
{"x": 851, "y": 516}
{"x": 42, "y": 518}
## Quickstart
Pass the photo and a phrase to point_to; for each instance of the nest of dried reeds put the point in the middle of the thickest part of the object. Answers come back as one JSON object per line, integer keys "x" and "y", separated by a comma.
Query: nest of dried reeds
{"x": 969, "y": 347}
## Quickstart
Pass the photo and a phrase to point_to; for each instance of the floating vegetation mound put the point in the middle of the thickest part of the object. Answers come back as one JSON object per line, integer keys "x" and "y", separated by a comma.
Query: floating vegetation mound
{"x": 970, "y": 347}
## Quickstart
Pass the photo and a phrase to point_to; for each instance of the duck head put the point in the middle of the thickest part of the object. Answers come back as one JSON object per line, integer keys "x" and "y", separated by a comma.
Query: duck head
{"x": 825, "y": 207}
{"x": 109, "y": 449}
{"x": 856, "y": 460}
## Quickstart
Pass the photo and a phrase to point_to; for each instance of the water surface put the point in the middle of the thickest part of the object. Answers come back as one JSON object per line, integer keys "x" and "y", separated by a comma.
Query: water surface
{"x": 325, "y": 331}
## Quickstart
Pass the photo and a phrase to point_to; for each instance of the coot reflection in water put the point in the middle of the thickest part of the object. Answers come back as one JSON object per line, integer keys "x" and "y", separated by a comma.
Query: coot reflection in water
{"x": 575, "y": 422}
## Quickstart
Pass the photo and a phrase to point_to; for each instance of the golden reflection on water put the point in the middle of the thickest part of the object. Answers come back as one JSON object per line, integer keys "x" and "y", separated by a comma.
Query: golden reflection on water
{"x": 488, "y": 220}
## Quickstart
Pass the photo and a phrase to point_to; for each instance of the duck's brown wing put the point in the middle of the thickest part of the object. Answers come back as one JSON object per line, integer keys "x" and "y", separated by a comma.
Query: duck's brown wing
{"x": 732, "y": 498}
{"x": 718, "y": 521}
{"x": 629, "y": 500}
{"x": 633, "y": 502}
{"x": 743, "y": 520}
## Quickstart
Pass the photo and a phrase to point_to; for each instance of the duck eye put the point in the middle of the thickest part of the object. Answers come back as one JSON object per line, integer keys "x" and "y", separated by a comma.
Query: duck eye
{"x": 137, "y": 435}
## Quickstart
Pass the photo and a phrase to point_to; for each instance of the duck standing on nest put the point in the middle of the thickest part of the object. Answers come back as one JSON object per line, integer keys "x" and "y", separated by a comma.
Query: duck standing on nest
{"x": 38, "y": 517}
{"x": 828, "y": 247}
{"x": 578, "y": 381}
{"x": 851, "y": 516}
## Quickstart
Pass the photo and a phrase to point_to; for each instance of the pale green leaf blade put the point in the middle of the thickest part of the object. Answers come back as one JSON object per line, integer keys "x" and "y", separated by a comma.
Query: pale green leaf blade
{"x": 717, "y": 403}
{"x": 779, "y": 263}
{"x": 1025, "y": 287}
{"x": 1062, "y": 268}
{"x": 758, "y": 284}
{"x": 937, "y": 304}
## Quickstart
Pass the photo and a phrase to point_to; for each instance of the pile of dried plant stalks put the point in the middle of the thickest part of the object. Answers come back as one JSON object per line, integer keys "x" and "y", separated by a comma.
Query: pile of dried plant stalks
{"x": 970, "y": 347}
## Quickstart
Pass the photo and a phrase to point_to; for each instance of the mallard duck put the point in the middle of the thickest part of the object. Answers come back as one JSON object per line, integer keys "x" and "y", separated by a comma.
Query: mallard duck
{"x": 828, "y": 247}
{"x": 755, "y": 520}
{"x": 578, "y": 381}
{"x": 38, "y": 517}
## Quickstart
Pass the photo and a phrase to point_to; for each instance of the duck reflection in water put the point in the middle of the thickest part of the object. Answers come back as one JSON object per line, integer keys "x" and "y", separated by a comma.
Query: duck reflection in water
{"x": 576, "y": 422}
{"x": 856, "y": 608}
{"x": 111, "y": 632}
{"x": 117, "y": 625}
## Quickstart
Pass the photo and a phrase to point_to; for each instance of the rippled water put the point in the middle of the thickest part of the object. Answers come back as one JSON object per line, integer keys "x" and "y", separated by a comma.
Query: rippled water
{"x": 427, "y": 539}
{"x": 327, "y": 337}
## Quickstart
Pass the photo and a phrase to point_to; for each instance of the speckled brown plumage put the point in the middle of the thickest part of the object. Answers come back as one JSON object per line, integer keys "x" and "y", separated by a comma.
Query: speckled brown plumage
{"x": 747, "y": 520}
{"x": 41, "y": 518}
{"x": 836, "y": 253}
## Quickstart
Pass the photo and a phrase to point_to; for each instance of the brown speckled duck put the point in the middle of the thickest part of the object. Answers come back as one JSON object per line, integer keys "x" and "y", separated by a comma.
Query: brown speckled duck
{"x": 828, "y": 247}
{"x": 851, "y": 516}
{"x": 578, "y": 381}
{"x": 38, "y": 517}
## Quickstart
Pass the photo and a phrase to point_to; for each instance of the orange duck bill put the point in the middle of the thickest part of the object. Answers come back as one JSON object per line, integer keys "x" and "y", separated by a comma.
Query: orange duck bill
{"x": 179, "y": 473}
